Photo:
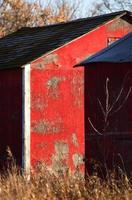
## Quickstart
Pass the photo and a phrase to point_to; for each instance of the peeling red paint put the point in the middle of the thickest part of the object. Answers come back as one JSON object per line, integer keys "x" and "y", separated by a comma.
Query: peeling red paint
{"x": 119, "y": 24}
{"x": 77, "y": 89}
{"x": 75, "y": 140}
{"x": 51, "y": 58}
{"x": 60, "y": 157}
{"x": 59, "y": 89}
{"x": 46, "y": 127}
{"x": 53, "y": 86}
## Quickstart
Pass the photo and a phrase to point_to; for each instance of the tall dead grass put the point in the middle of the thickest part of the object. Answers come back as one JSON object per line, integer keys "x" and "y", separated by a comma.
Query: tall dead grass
{"x": 48, "y": 186}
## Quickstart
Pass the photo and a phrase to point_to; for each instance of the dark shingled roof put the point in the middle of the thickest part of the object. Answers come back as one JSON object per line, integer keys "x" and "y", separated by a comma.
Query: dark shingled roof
{"x": 27, "y": 44}
{"x": 118, "y": 52}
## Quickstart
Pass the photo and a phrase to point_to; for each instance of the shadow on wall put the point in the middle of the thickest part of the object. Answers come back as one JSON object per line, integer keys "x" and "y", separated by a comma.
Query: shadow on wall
{"x": 108, "y": 117}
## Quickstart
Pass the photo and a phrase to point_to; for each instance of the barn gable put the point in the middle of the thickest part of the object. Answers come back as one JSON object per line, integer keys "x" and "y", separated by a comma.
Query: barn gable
{"x": 27, "y": 44}
{"x": 118, "y": 52}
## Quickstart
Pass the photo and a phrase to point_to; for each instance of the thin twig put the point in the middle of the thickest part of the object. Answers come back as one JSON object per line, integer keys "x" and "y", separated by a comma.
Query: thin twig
{"x": 94, "y": 127}
{"x": 122, "y": 102}
{"x": 101, "y": 106}
{"x": 120, "y": 93}
{"x": 107, "y": 95}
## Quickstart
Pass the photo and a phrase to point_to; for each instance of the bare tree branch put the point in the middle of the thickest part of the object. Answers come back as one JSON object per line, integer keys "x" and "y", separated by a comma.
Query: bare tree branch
{"x": 107, "y": 110}
{"x": 94, "y": 127}
{"x": 101, "y": 106}
{"x": 107, "y": 95}
{"x": 120, "y": 93}
{"x": 124, "y": 101}
{"x": 105, "y": 6}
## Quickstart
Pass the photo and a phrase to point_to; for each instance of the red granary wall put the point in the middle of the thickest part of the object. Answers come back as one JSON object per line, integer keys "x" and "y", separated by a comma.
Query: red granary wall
{"x": 57, "y": 98}
{"x": 10, "y": 115}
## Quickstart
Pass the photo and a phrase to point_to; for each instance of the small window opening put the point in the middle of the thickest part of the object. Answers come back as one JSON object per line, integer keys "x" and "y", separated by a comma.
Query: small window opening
{"x": 110, "y": 40}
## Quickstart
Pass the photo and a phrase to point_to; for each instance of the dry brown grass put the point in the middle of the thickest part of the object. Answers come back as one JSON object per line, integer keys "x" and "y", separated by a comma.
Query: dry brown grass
{"x": 47, "y": 186}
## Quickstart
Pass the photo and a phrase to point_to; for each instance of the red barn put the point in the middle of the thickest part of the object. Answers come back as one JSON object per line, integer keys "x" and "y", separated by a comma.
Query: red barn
{"x": 42, "y": 95}
{"x": 108, "y": 97}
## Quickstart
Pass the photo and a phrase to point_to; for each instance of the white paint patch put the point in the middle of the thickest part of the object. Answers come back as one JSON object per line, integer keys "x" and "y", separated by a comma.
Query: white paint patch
{"x": 26, "y": 118}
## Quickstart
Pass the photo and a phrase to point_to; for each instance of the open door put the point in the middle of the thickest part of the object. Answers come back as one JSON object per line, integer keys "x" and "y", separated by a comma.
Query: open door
{"x": 108, "y": 117}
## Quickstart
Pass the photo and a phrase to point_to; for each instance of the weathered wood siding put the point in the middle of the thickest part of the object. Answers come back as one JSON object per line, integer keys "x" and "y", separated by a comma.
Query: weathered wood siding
{"x": 10, "y": 115}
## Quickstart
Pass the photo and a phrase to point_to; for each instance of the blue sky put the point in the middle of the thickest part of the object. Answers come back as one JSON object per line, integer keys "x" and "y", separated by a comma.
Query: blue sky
{"x": 84, "y": 2}
{"x": 83, "y": 9}
{"x": 86, "y": 5}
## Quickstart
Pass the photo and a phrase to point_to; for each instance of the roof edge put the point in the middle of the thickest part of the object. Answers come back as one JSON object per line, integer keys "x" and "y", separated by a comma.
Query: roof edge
{"x": 103, "y": 51}
{"x": 116, "y": 17}
{"x": 119, "y": 13}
